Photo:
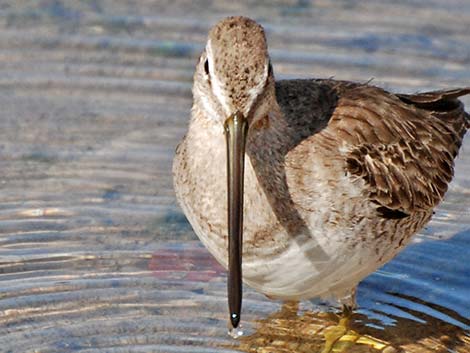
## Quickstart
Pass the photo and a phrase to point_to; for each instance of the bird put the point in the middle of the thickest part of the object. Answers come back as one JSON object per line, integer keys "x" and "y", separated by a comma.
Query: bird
{"x": 301, "y": 188}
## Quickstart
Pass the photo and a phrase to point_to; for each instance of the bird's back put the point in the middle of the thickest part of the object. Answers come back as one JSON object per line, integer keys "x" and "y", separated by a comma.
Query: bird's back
{"x": 402, "y": 146}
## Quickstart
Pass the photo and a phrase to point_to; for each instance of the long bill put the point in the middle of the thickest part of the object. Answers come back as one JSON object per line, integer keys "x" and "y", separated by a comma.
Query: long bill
{"x": 236, "y": 128}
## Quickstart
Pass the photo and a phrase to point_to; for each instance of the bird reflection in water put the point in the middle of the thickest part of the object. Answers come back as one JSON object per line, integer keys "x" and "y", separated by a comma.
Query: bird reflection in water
{"x": 291, "y": 330}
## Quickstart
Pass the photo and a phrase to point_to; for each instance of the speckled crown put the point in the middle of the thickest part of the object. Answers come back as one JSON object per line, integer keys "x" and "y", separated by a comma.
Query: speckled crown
{"x": 239, "y": 52}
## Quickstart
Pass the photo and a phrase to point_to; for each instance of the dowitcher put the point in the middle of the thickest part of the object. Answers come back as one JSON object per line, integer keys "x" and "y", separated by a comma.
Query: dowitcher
{"x": 337, "y": 177}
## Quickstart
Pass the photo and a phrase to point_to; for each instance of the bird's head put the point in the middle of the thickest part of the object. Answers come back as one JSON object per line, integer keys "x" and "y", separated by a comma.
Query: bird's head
{"x": 234, "y": 73}
{"x": 234, "y": 87}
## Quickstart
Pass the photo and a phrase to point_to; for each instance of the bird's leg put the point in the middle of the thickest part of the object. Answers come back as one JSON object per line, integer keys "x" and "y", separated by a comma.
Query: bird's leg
{"x": 337, "y": 332}
{"x": 290, "y": 309}
{"x": 348, "y": 303}
{"x": 341, "y": 338}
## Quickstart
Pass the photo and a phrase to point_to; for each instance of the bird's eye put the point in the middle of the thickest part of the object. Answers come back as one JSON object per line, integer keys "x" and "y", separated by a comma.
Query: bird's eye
{"x": 206, "y": 66}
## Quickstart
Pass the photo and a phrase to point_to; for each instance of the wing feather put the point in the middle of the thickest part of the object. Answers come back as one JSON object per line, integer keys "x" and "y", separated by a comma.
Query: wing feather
{"x": 402, "y": 146}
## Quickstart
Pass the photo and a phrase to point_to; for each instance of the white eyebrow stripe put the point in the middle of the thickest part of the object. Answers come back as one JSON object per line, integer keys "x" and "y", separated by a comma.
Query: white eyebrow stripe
{"x": 216, "y": 85}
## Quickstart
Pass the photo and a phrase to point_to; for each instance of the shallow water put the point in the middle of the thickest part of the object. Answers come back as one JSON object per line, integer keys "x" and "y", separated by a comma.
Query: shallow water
{"x": 95, "y": 254}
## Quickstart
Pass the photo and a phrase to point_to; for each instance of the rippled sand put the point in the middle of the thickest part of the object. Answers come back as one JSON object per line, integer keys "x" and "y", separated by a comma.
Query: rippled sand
{"x": 95, "y": 254}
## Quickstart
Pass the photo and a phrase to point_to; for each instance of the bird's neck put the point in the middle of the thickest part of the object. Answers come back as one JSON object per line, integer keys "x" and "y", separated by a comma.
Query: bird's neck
{"x": 268, "y": 136}
{"x": 266, "y": 149}
{"x": 267, "y": 142}
{"x": 205, "y": 155}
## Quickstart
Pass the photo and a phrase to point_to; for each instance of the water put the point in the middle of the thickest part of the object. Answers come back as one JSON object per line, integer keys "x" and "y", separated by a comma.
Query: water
{"x": 95, "y": 254}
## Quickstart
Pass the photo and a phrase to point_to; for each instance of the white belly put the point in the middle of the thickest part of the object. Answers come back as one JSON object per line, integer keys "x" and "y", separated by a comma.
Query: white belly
{"x": 342, "y": 240}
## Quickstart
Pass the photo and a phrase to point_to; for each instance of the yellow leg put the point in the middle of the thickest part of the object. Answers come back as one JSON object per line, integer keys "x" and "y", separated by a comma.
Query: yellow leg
{"x": 335, "y": 333}
{"x": 340, "y": 338}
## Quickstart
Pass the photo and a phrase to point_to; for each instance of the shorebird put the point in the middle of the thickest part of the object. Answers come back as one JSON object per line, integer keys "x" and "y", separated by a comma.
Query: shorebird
{"x": 316, "y": 182}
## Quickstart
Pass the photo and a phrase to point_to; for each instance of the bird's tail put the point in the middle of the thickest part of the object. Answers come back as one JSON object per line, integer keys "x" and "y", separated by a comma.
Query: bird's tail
{"x": 443, "y": 104}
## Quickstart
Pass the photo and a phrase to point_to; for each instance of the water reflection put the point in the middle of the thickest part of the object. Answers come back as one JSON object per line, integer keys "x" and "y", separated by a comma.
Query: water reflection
{"x": 95, "y": 255}
{"x": 431, "y": 320}
{"x": 292, "y": 331}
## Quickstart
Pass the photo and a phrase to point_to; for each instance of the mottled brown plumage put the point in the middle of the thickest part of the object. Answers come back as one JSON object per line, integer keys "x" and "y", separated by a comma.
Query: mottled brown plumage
{"x": 338, "y": 175}
{"x": 403, "y": 146}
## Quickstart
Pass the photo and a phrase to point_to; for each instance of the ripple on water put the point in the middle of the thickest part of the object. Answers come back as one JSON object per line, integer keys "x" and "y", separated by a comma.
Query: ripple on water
{"x": 175, "y": 297}
{"x": 95, "y": 255}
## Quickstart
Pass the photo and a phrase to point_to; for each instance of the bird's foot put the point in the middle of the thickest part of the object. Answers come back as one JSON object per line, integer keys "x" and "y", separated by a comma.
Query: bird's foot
{"x": 333, "y": 334}
{"x": 340, "y": 338}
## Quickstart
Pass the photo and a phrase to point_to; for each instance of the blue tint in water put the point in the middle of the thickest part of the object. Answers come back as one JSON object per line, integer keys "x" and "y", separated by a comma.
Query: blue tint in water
{"x": 430, "y": 277}
{"x": 95, "y": 254}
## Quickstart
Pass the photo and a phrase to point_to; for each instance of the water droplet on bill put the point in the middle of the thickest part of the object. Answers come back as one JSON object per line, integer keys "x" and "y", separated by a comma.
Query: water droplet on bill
{"x": 235, "y": 332}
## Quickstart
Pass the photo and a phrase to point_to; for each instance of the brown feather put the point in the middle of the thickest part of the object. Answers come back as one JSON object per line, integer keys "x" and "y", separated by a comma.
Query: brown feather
{"x": 402, "y": 146}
